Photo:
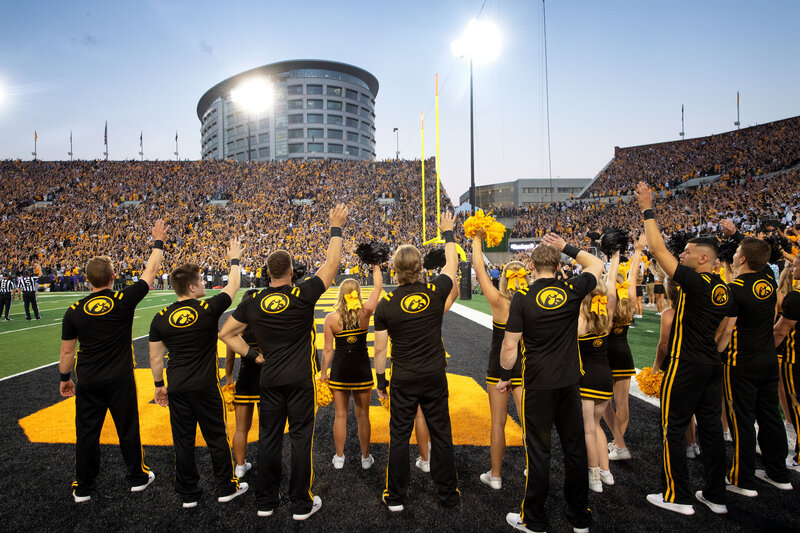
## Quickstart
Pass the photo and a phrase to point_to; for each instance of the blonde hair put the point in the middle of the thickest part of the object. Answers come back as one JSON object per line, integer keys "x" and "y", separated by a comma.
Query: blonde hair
{"x": 785, "y": 281}
{"x": 595, "y": 324}
{"x": 407, "y": 262}
{"x": 513, "y": 266}
{"x": 350, "y": 317}
{"x": 623, "y": 313}
{"x": 100, "y": 271}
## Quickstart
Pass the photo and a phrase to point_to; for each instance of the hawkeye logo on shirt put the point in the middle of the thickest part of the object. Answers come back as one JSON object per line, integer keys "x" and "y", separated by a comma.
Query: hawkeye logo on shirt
{"x": 551, "y": 298}
{"x": 762, "y": 289}
{"x": 352, "y": 339}
{"x": 617, "y": 330}
{"x": 414, "y": 303}
{"x": 98, "y": 306}
{"x": 183, "y": 317}
{"x": 597, "y": 343}
{"x": 275, "y": 303}
{"x": 719, "y": 296}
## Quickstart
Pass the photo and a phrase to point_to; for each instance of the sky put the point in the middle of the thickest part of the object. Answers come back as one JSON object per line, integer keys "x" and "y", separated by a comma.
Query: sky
{"x": 618, "y": 73}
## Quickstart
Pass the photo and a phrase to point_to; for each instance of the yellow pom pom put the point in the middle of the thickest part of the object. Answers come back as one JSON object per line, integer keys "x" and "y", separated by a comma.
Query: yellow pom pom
{"x": 649, "y": 383}
{"x": 476, "y": 222}
{"x": 228, "y": 392}
{"x": 494, "y": 234}
{"x": 324, "y": 394}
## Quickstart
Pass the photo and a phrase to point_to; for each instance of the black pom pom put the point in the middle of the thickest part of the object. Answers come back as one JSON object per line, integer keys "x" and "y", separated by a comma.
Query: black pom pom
{"x": 677, "y": 242}
{"x": 373, "y": 253}
{"x": 299, "y": 270}
{"x": 434, "y": 259}
{"x": 779, "y": 245}
{"x": 613, "y": 240}
{"x": 726, "y": 250}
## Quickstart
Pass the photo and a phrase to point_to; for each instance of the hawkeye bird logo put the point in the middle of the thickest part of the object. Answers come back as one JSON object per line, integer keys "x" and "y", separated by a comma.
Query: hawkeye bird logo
{"x": 551, "y": 298}
{"x": 351, "y": 339}
{"x": 183, "y": 317}
{"x": 617, "y": 330}
{"x": 99, "y": 306}
{"x": 275, "y": 303}
{"x": 597, "y": 343}
{"x": 719, "y": 296}
{"x": 414, "y": 303}
{"x": 762, "y": 289}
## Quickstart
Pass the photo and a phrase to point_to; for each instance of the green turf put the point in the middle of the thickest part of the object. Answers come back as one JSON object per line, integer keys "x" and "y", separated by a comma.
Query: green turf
{"x": 31, "y": 344}
{"x": 478, "y": 303}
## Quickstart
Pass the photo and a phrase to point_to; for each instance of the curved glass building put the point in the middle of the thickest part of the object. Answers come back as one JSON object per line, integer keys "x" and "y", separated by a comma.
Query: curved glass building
{"x": 304, "y": 109}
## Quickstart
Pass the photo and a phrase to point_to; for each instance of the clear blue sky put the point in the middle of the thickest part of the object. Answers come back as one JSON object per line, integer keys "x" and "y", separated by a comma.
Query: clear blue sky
{"x": 618, "y": 74}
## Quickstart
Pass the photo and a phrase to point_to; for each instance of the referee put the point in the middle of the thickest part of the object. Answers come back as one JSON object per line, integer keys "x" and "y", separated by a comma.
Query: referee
{"x": 692, "y": 384}
{"x": 27, "y": 285}
{"x": 282, "y": 320}
{"x": 103, "y": 322}
{"x": 7, "y": 288}
{"x": 188, "y": 329}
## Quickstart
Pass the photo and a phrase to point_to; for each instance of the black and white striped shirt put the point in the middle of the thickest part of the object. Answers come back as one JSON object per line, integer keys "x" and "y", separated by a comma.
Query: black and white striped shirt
{"x": 7, "y": 286}
{"x": 28, "y": 283}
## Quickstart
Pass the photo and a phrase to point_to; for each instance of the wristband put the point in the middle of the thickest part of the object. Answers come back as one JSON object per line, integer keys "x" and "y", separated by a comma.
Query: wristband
{"x": 64, "y": 377}
{"x": 648, "y": 214}
{"x": 251, "y": 355}
{"x": 336, "y": 231}
{"x": 159, "y": 383}
{"x": 737, "y": 237}
{"x": 159, "y": 244}
{"x": 505, "y": 374}
{"x": 448, "y": 236}
{"x": 571, "y": 251}
{"x": 381, "y": 376}
{"x": 234, "y": 262}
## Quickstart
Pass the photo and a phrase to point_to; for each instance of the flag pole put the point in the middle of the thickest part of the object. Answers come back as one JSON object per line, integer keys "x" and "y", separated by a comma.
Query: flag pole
{"x": 737, "y": 123}
{"x": 422, "y": 158}
{"x": 35, "y": 141}
{"x": 176, "y": 145}
{"x": 70, "y": 145}
{"x": 141, "y": 145}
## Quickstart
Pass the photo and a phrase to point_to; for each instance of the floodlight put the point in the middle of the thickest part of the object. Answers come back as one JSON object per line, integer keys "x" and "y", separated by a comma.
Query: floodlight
{"x": 254, "y": 95}
{"x": 480, "y": 41}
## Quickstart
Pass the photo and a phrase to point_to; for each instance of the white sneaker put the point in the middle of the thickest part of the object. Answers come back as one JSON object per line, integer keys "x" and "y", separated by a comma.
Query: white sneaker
{"x": 525, "y": 472}
{"x": 618, "y": 454}
{"x": 425, "y": 466}
{"x": 80, "y": 499}
{"x": 241, "y": 470}
{"x": 718, "y": 508}
{"x": 393, "y": 508}
{"x": 594, "y": 479}
{"x": 606, "y": 477}
{"x": 189, "y": 505}
{"x": 658, "y": 501}
{"x": 265, "y": 513}
{"x": 242, "y": 489}
{"x": 515, "y": 521}
{"x": 367, "y": 462}
{"x": 488, "y": 479}
{"x": 690, "y": 452}
{"x": 791, "y": 464}
{"x": 150, "y": 478}
{"x": 727, "y": 436}
{"x": 730, "y": 487}
{"x": 762, "y": 475}
{"x": 314, "y": 508}
{"x": 338, "y": 462}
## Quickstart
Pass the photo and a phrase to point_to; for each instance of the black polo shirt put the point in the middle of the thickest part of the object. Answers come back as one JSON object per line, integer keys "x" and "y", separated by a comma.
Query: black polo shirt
{"x": 753, "y": 300}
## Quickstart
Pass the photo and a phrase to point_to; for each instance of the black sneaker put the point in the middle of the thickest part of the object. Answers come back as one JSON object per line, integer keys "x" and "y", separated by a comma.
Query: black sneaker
{"x": 27, "y": 318}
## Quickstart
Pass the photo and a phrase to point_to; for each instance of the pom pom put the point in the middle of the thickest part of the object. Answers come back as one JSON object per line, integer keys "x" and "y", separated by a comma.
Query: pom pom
{"x": 324, "y": 394}
{"x": 434, "y": 259}
{"x": 726, "y": 250}
{"x": 779, "y": 245}
{"x": 650, "y": 383}
{"x": 613, "y": 240}
{"x": 299, "y": 270}
{"x": 677, "y": 242}
{"x": 494, "y": 234}
{"x": 385, "y": 402}
{"x": 228, "y": 392}
{"x": 493, "y": 231}
{"x": 373, "y": 253}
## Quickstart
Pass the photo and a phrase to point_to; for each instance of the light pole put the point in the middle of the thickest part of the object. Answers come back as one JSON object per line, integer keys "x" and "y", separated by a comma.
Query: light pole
{"x": 481, "y": 43}
{"x": 397, "y": 138}
{"x": 253, "y": 96}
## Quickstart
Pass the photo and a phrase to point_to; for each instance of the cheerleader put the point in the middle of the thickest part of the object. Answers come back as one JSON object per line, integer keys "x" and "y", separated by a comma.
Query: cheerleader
{"x": 513, "y": 277}
{"x": 596, "y": 384}
{"x": 350, "y": 369}
{"x": 620, "y": 358}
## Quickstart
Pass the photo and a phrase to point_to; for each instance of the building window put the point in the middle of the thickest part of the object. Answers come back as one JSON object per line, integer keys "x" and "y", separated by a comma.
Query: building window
{"x": 365, "y": 140}
{"x": 315, "y": 133}
{"x": 352, "y": 109}
{"x": 295, "y": 119}
{"x": 315, "y": 147}
{"x": 314, "y": 118}
{"x": 352, "y": 123}
{"x": 296, "y": 133}
{"x": 334, "y": 91}
{"x": 294, "y": 89}
{"x": 295, "y": 148}
{"x": 351, "y": 95}
{"x": 295, "y": 104}
{"x": 334, "y": 105}
{"x": 239, "y": 130}
{"x": 240, "y": 143}
{"x": 352, "y": 150}
{"x": 365, "y": 126}
{"x": 314, "y": 104}
{"x": 263, "y": 138}
{"x": 313, "y": 89}
{"x": 335, "y": 148}
{"x": 352, "y": 137}
{"x": 364, "y": 99}
{"x": 364, "y": 112}
{"x": 263, "y": 152}
{"x": 335, "y": 134}
{"x": 263, "y": 124}
{"x": 335, "y": 119}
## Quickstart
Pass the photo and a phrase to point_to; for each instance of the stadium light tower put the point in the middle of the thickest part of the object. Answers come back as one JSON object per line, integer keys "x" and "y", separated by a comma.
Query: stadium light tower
{"x": 253, "y": 96}
{"x": 480, "y": 42}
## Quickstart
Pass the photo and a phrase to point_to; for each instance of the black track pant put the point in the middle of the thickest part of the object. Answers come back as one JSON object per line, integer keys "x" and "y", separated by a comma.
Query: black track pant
{"x": 295, "y": 403}
{"x": 206, "y": 408}
{"x": 751, "y": 393}
{"x": 430, "y": 393}
{"x": 29, "y": 298}
{"x": 542, "y": 409}
{"x": 692, "y": 389}
{"x": 5, "y": 304}
{"x": 791, "y": 381}
{"x": 117, "y": 395}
